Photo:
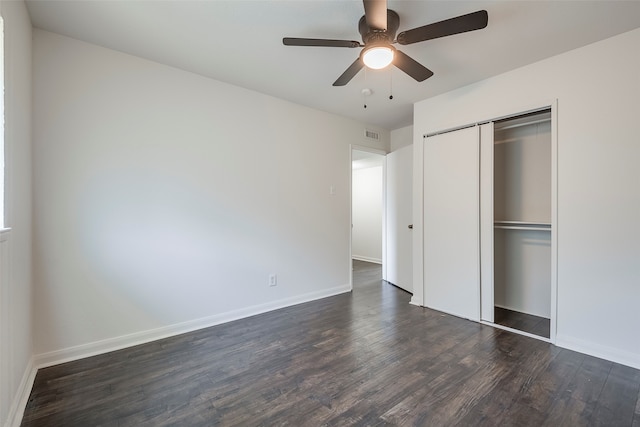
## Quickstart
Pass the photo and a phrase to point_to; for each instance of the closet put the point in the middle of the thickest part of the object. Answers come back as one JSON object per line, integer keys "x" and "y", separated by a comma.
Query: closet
{"x": 488, "y": 222}
{"x": 522, "y": 223}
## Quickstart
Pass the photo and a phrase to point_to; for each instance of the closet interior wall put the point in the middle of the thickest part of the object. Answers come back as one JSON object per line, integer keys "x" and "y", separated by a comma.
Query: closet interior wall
{"x": 522, "y": 215}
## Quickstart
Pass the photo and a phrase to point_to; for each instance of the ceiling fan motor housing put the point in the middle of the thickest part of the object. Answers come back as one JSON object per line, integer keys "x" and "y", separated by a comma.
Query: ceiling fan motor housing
{"x": 380, "y": 37}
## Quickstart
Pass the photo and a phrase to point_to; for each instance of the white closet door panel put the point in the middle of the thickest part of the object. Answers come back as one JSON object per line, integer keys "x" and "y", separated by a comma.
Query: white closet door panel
{"x": 399, "y": 217}
{"x": 451, "y": 223}
{"x": 486, "y": 223}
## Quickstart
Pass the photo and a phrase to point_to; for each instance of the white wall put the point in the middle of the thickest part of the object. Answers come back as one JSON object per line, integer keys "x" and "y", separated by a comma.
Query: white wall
{"x": 16, "y": 284}
{"x": 163, "y": 199}
{"x": 597, "y": 87}
{"x": 367, "y": 201}
{"x": 401, "y": 137}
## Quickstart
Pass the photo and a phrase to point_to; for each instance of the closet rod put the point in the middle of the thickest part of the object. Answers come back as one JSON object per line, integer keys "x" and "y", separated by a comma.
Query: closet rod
{"x": 517, "y": 125}
{"x": 515, "y": 227}
{"x": 523, "y": 223}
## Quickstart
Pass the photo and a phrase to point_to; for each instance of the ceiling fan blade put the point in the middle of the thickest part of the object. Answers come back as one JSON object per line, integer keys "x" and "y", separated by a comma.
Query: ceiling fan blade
{"x": 349, "y": 73}
{"x": 292, "y": 41}
{"x": 448, "y": 27}
{"x": 410, "y": 66}
{"x": 375, "y": 12}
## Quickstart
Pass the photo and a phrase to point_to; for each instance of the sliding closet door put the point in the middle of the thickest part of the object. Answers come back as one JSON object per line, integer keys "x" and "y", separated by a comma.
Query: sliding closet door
{"x": 451, "y": 223}
{"x": 486, "y": 223}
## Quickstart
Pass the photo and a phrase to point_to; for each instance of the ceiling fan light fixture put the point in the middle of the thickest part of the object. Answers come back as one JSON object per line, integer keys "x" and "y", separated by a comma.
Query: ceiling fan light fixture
{"x": 378, "y": 57}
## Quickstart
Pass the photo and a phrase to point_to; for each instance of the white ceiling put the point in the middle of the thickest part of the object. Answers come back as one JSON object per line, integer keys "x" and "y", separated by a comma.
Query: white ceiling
{"x": 240, "y": 42}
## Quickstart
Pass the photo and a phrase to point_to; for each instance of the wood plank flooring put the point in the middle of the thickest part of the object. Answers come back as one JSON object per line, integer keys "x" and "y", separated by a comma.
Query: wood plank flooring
{"x": 366, "y": 358}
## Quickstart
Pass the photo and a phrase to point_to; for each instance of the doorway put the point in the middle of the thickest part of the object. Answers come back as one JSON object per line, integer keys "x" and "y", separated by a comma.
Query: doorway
{"x": 367, "y": 207}
{"x": 522, "y": 215}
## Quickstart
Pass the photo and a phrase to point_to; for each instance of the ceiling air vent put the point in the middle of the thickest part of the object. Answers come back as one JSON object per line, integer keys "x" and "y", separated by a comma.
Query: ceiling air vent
{"x": 371, "y": 134}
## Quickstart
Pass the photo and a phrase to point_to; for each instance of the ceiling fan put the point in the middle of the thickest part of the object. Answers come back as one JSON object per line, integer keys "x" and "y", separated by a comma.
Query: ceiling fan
{"x": 378, "y": 28}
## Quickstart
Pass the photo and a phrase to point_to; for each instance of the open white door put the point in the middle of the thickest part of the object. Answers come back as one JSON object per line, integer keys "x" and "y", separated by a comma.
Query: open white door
{"x": 399, "y": 182}
{"x": 452, "y": 222}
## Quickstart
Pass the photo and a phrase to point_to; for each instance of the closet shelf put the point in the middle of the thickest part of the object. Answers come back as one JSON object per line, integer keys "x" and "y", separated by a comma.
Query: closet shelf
{"x": 522, "y": 225}
{"x": 525, "y": 121}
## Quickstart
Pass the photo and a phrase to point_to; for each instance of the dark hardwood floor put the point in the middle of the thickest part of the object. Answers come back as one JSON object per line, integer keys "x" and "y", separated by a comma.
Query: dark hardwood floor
{"x": 366, "y": 358}
{"x": 536, "y": 325}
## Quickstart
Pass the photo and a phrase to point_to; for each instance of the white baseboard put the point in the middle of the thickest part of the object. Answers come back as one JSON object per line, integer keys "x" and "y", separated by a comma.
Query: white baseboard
{"x": 367, "y": 259}
{"x": 111, "y": 344}
{"x": 598, "y": 350}
{"x": 414, "y": 301}
{"x": 16, "y": 410}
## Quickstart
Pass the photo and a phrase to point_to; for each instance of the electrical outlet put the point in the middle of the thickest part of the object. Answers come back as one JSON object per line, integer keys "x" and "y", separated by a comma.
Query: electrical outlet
{"x": 273, "y": 280}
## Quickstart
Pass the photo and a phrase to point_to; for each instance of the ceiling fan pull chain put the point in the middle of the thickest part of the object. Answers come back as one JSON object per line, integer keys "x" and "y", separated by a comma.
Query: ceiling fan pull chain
{"x": 365, "y": 91}
{"x": 390, "y": 83}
